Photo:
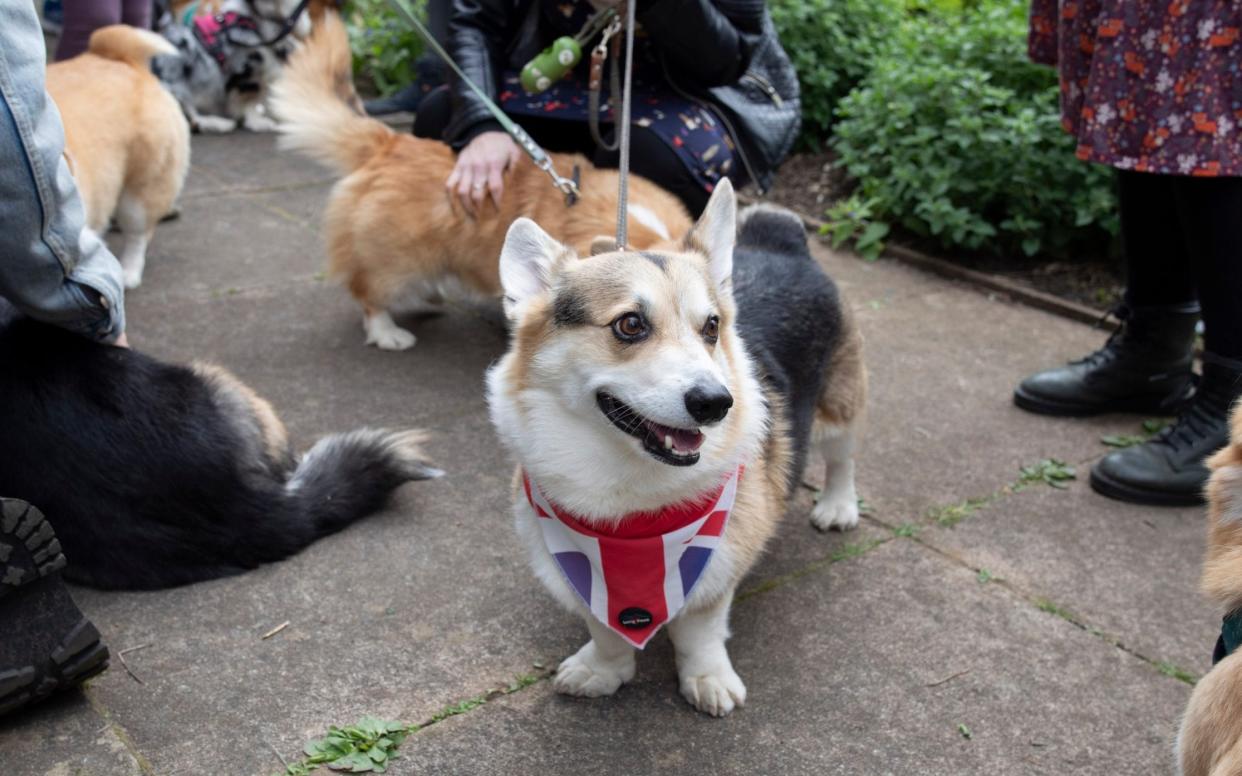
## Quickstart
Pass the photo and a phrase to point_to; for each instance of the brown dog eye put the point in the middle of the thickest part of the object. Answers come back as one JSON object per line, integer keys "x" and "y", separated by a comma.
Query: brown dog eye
{"x": 711, "y": 329}
{"x": 630, "y": 327}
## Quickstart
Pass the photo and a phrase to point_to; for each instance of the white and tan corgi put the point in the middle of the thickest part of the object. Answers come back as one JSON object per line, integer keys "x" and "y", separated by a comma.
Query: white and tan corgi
{"x": 128, "y": 144}
{"x": 1210, "y": 743}
{"x": 660, "y": 406}
{"x": 392, "y": 227}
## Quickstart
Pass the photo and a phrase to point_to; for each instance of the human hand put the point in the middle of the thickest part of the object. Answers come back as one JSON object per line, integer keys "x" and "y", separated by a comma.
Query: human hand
{"x": 480, "y": 170}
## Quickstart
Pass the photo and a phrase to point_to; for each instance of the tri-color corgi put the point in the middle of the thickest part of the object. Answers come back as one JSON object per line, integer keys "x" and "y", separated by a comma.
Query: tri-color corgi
{"x": 660, "y": 405}
{"x": 392, "y": 227}
{"x": 1210, "y": 743}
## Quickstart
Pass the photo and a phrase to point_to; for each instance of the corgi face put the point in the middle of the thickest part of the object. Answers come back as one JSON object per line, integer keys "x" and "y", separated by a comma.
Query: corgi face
{"x": 625, "y": 362}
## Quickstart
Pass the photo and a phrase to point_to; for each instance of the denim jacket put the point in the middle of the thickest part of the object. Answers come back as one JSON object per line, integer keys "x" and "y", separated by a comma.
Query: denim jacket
{"x": 51, "y": 267}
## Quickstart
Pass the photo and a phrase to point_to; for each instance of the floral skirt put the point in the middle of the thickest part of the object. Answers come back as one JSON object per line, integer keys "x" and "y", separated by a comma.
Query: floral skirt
{"x": 1151, "y": 86}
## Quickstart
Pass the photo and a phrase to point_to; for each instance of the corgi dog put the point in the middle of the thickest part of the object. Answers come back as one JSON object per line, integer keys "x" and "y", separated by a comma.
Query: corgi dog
{"x": 392, "y": 227}
{"x": 1210, "y": 742}
{"x": 127, "y": 142}
{"x": 660, "y": 405}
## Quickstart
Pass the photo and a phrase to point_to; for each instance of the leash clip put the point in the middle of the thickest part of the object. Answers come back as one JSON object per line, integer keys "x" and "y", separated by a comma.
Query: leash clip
{"x": 567, "y": 186}
{"x": 601, "y": 48}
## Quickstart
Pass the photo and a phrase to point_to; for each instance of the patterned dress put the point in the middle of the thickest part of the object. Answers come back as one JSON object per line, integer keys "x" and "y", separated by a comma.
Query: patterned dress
{"x": 689, "y": 128}
{"x": 1147, "y": 85}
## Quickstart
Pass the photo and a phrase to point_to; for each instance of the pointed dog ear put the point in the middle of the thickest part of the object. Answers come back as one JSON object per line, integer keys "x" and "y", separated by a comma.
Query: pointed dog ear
{"x": 528, "y": 263}
{"x": 715, "y": 234}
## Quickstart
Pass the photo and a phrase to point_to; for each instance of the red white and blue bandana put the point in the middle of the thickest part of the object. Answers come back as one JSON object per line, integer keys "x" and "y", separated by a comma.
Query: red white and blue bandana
{"x": 636, "y": 574}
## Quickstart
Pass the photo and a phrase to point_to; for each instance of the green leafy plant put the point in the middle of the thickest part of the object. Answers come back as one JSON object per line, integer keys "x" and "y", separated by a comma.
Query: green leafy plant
{"x": 1050, "y": 471}
{"x": 1149, "y": 429}
{"x": 955, "y": 136}
{"x": 364, "y": 747}
{"x": 964, "y": 731}
{"x": 983, "y": 577}
{"x": 832, "y": 46}
{"x": 384, "y": 48}
{"x": 854, "y": 219}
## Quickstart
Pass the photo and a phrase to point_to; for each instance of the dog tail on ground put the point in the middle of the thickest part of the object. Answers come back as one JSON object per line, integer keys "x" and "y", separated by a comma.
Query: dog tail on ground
{"x": 130, "y": 45}
{"x": 315, "y": 102}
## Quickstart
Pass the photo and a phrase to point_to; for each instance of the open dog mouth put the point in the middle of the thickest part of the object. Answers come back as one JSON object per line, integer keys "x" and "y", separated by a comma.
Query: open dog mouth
{"x": 674, "y": 446}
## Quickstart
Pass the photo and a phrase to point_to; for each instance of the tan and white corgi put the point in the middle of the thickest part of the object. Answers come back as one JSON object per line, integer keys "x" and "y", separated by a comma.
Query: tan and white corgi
{"x": 1210, "y": 743}
{"x": 392, "y": 227}
{"x": 660, "y": 405}
{"x": 128, "y": 144}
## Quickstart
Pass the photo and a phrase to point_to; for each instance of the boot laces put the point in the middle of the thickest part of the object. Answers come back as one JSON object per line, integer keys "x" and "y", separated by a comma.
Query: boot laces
{"x": 1109, "y": 351}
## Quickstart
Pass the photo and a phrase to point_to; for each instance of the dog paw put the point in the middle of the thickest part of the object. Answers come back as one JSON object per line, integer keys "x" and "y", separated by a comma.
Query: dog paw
{"x": 715, "y": 693}
{"x": 392, "y": 339}
{"x": 587, "y": 675}
{"x": 215, "y": 125}
{"x": 131, "y": 280}
{"x": 835, "y": 512}
{"x": 261, "y": 123}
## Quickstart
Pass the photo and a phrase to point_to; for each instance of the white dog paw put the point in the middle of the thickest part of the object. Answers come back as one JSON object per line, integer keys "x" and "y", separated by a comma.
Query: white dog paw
{"x": 131, "y": 279}
{"x": 260, "y": 123}
{"x": 392, "y": 339}
{"x": 715, "y": 693}
{"x": 587, "y": 675}
{"x": 215, "y": 125}
{"x": 836, "y": 512}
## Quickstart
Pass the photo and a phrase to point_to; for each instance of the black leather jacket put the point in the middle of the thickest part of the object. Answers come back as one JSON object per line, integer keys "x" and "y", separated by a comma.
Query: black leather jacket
{"x": 722, "y": 53}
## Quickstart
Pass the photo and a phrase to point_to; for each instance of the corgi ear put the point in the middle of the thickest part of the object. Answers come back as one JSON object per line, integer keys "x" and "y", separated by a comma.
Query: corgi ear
{"x": 528, "y": 263}
{"x": 715, "y": 234}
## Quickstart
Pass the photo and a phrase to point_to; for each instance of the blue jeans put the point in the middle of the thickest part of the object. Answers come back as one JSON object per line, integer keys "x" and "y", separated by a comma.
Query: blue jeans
{"x": 51, "y": 267}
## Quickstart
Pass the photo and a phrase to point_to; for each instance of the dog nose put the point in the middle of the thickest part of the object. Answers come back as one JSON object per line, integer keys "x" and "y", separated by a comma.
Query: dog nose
{"x": 708, "y": 404}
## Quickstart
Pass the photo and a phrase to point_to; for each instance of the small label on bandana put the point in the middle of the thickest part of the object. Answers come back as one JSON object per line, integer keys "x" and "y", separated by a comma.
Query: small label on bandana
{"x": 637, "y": 575}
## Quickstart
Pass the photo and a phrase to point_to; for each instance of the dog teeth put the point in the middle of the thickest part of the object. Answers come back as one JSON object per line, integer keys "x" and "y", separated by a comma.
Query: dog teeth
{"x": 668, "y": 441}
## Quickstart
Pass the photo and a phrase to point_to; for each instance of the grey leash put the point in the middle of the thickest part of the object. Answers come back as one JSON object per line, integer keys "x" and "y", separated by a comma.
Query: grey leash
{"x": 623, "y": 170}
{"x": 567, "y": 186}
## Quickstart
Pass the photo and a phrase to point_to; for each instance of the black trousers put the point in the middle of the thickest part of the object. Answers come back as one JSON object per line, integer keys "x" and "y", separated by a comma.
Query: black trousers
{"x": 650, "y": 157}
{"x": 1182, "y": 241}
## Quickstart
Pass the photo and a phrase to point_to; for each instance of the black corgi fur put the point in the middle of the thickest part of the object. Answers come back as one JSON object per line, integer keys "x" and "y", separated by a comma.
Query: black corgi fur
{"x": 155, "y": 475}
{"x": 788, "y": 314}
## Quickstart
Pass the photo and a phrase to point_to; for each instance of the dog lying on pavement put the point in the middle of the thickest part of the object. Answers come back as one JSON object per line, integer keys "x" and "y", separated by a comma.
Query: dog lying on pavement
{"x": 155, "y": 475}
{"x": 1210, "y": 743}
{"x": 391, "y": 226}
{"x": 660, "y": 405}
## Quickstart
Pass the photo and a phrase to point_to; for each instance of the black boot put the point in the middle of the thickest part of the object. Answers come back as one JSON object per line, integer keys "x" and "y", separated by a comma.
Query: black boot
{"x": 429, "y": 74}
{"x": 1144, "y": 367}
{"x": 1169, "y": 470}
{"x": 46, "y": 643}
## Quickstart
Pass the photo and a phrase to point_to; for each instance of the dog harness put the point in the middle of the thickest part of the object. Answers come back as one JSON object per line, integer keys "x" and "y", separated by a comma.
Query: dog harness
{"x": 635, "y": 575}
{"x": 1230, "y": 636}
{"x": 213, "y": 31}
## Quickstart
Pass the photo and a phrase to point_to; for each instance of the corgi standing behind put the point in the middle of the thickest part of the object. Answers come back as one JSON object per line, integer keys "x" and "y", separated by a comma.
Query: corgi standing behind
{"x": 1210, "y": 743}
{"x": 660, "y": 405}
{"x": 391, "y": 225}
{"x": 127, "y": 142}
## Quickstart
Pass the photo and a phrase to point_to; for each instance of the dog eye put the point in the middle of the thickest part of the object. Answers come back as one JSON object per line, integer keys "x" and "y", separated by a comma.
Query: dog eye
{"x": 711, "y": 329}
{"x": 629, "y": 327}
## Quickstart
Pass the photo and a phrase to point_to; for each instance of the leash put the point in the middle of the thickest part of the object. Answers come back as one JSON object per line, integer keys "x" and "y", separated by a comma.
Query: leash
{"x": 598, "y": 55}
{"x": 291, "y": 21}
{"x": 623, "y": 131}
{"x": 567, "y": 186}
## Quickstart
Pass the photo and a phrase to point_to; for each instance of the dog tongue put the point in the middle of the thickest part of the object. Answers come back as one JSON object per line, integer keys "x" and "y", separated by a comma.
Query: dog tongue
{"x": 684, "y": 441}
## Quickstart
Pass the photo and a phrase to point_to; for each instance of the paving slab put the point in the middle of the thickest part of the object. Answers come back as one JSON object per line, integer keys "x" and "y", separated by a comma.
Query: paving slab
{"x": 1131, "y": 571}
{"x": 842, "y": 670}
{"x": 64, "y": 736}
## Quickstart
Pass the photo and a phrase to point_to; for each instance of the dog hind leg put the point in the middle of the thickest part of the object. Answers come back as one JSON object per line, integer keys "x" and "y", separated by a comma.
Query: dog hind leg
{"x": 706, "y": 674}
{"x": 599, "y": 668}
{"x": 137, "y": 226}
{"x": 837, "y": 505}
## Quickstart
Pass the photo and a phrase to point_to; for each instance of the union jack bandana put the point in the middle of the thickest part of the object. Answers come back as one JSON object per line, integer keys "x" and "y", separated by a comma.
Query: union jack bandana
{"x": 637, "y": 574}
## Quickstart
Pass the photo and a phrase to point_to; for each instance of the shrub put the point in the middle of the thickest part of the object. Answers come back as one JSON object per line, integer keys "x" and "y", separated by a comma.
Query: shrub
{"x": 384, "y": 47}
{"x": 832, "y": 44}
{"x": 955, "y": 136}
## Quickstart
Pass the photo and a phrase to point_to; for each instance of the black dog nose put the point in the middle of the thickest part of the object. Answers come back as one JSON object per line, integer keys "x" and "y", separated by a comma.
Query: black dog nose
{"x": 708, "y": 404}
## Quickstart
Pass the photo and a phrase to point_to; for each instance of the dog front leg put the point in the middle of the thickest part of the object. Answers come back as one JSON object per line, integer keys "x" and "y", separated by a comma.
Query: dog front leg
{"x": 707, "y": 678}
{"x": 602, "y": 665}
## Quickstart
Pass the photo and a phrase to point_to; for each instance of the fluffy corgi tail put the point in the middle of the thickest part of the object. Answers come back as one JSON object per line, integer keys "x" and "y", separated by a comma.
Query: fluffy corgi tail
{"x": 130, "y": 45}
{"x": 348, "y": 476}
{"x": 315, "y": 102}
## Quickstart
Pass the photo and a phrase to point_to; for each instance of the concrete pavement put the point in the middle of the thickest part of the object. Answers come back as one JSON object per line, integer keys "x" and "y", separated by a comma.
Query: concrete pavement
{"x": 967, "y": 627}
